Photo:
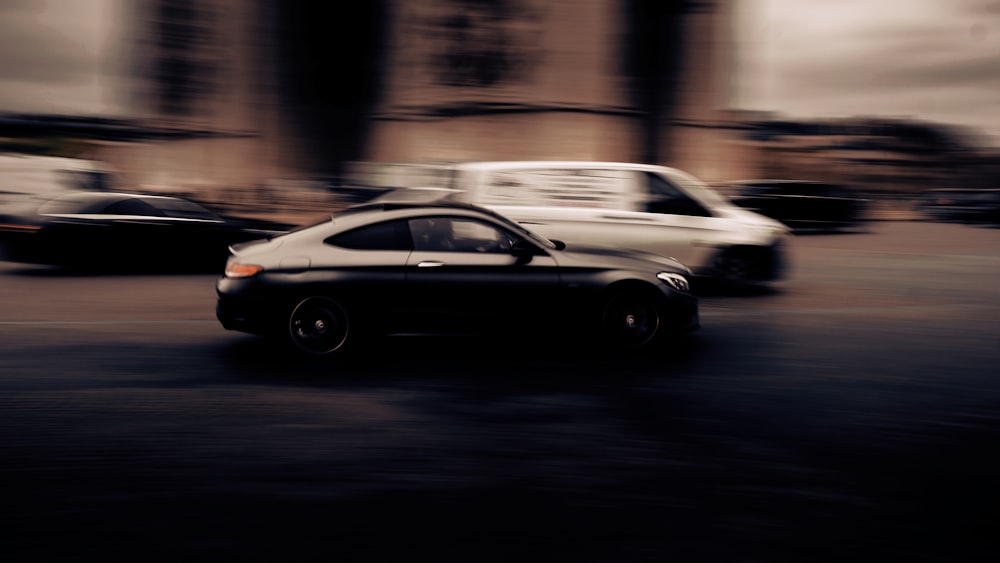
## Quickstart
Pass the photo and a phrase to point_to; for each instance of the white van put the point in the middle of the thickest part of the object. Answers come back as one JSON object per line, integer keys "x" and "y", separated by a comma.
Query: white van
{"x": 644, "y": 207}
{"x": 26, "y": 181}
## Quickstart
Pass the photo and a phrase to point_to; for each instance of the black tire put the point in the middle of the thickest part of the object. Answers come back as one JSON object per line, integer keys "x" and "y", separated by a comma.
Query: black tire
{"x": 318, "y": 326}
{"x": 630, "y": 319}
{"x": 736, "y": 268}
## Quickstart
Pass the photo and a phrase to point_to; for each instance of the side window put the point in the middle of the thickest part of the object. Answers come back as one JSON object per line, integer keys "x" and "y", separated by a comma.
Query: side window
{"x": 389, "y": 235}
{"x": 664, "y": 197}
{"x": 454, "y": 234}
{"x": 132, "y": 207}
{"x": 758, "y": 190}
{"x": 181, "y": 208}
{"x": 831, "y": 190}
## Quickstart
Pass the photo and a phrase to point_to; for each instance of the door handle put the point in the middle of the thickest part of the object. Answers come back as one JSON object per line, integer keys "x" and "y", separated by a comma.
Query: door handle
{"x": 627, "y": 218}
{"x": 430, "y": 264}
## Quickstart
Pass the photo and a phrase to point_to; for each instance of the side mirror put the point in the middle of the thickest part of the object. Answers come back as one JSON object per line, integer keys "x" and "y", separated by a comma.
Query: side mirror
{"x": 523, "y": 250}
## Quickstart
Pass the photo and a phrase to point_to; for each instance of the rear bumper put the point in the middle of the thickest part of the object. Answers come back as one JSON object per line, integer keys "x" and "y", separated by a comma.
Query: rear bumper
{"x": 237, "y": 308}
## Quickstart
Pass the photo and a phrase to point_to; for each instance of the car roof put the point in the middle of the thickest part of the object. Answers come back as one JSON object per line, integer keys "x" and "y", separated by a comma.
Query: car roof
{"x": 84, "y": 201}
{"x": 571, "y": 164}
{"x": 403, "y": 210}
{"x": 94, "y": 196}
{"x": 362, "y": 214}
{"x": 418, "y": 205}
{"x": 768, "y": 181}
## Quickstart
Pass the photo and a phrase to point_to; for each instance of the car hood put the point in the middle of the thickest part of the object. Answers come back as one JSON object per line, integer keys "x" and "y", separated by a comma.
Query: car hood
{"x": 748, "y": 217}
{"x": 581, "y": 255}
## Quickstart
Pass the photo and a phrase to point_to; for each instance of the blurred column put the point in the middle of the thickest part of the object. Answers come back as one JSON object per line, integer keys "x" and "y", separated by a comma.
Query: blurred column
{"x": 202, "y": 78}
{"x": 514, "y": 79}
{"x": 695, "y": 134}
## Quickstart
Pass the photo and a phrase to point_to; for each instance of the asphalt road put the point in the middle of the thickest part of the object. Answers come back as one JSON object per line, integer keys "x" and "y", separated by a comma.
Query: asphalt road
{"x": 849, "y": 415}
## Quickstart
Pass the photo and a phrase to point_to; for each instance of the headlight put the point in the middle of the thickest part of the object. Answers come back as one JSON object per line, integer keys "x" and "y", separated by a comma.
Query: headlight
{"x": 676, "y": 281}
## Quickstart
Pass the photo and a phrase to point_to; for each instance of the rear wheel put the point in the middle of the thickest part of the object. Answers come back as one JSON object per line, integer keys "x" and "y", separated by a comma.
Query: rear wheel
{"x": 631, "y": 319}
{"x": 318, "y": 326}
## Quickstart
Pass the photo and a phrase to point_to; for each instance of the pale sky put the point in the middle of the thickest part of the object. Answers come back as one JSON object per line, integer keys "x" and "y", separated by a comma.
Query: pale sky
{"x": 61, "y": 56}
{"x": 934, "y": 60}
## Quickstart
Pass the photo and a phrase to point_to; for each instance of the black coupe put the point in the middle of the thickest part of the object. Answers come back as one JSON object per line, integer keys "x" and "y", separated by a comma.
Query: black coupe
{"x": 126, "y": 232}
{"x": 387, "y": 268}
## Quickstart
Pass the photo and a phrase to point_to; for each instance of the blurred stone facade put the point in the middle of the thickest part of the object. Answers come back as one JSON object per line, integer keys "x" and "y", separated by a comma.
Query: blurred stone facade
{"x": 884, "y": 158}
{"x": 266, "y": 95}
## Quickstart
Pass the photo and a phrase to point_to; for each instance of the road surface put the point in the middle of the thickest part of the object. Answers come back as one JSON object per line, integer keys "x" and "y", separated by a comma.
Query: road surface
{"x": 851, "y": 414}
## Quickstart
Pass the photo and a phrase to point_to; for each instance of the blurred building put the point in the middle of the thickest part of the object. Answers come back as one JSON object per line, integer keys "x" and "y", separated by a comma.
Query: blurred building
{"x": 264, "y": 93}
{"x": 886, "y": 158}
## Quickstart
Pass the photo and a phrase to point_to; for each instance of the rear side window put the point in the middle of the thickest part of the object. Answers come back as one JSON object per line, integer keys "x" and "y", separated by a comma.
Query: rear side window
{"x": 388, "y": 235}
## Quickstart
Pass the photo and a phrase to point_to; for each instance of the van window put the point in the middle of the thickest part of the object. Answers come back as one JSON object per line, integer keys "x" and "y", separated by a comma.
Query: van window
{"x": 664, "y": 197}
{"x": 696, "y": 188}
{"x": 598, "y": 188}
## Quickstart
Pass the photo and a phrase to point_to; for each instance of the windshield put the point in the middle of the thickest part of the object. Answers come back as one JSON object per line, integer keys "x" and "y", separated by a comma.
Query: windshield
{"x": 181, "y": 208}
{"x": 696, "y": 188}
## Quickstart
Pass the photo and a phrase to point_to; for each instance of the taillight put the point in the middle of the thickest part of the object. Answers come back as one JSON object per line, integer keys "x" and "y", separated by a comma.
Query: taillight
{"x": 18, "y": 227}
{"x": 238, "y": 270}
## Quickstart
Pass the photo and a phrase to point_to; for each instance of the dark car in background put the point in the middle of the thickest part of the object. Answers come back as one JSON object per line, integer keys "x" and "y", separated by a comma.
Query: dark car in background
{"x": 964, "y": 205}
{"x": 126, "y": 231}
{"x": 802, "y": 205}
{"x": 447, "y": 269}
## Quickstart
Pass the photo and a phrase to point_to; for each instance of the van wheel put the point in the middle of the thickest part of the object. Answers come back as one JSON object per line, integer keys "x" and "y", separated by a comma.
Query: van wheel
{"x": 631, "y": 319}
{"x": 318, "y": 326}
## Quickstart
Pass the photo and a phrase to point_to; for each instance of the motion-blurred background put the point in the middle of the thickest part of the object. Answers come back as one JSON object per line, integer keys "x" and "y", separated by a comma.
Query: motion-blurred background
{"x": 290, "y": 105}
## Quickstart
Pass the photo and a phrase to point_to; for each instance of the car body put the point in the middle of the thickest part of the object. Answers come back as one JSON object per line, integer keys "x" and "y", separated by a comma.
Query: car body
{"x": 377, "y": 269}
{"x": 632, "y": 206}
{"x": 126, "y": 231}
{"x": 966, "y": 205}
{"x": 803, "y": 205}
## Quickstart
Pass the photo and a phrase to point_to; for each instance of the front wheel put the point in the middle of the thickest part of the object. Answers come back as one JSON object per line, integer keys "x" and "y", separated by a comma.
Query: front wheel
{"x": 747, "y": 267}
{"x": 631, "y": 320}
{"x": 318, "y": 326}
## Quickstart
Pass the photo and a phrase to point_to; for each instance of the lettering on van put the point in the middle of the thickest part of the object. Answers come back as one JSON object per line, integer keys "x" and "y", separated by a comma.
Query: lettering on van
{"x": 557, "y": 188}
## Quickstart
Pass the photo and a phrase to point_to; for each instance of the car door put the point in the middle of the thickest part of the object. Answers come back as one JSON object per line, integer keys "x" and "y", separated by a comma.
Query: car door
{"x": 464, "y": 276}
{"x": 105, "y": 234}
{"x": 140, "y": 231}
{"x": 664, "y": 219}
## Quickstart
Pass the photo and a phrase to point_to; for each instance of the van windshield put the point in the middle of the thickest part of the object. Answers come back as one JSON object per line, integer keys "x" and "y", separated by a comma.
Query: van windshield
{"x": 696, "y": 188}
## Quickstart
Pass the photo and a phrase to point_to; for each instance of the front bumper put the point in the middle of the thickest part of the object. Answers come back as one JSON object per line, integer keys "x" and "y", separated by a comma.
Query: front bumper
{"x": 681, "y": 313}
